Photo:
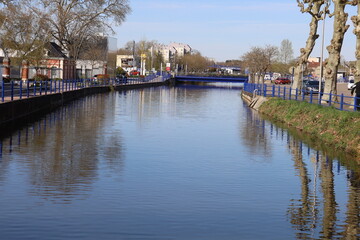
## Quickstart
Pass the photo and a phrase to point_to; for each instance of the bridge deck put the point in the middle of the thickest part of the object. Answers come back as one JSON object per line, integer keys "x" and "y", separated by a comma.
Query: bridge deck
{"x": 211, "y": 79}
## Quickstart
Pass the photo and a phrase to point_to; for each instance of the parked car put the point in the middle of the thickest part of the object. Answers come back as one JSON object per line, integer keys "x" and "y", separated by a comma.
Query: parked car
{"x": 350, "y": 84}
{"x": 134, "y": 73}
{"x": 282, "y": 80}
{"x": 312, "y": 86}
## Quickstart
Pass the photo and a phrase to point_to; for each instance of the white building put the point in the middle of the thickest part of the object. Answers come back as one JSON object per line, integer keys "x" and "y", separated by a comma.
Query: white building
{"x": 173, "y": 50}
{"x": 126, "y": 62}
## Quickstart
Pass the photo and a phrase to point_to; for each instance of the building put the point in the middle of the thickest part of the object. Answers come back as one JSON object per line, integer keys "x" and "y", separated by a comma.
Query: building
{"x": 173, "y": 50}
{"x": 55, "y": 64}
{"x": 126, "y": 62}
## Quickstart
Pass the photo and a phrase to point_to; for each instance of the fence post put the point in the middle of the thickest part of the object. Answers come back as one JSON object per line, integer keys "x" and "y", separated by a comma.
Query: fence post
{"x": 296, "y": 94}
{"x": 356, "y": 100}
{"x": 290, "y": 93}
{"x": 278, "y": 91}
{"x": 273, "y": 90}
{"x": 330, "y": 98}
{"x": 12, "y": 90}
{"x": 284, "y": 94}
{"x": 264, "y": 90}
{"x": 2, "y": 91}
{"x": 20, "y": 95}
{"x": 311, "y": 96}
{"x": 27, "y": 88}
{"x": 342, "y": 102}
{"x": 303, "y": 95}
{"x": 40, "y": 91}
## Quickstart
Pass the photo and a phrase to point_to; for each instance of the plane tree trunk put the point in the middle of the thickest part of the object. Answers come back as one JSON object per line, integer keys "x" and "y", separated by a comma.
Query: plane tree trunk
{"x": 314, "y": 9}
{"x": 334, "y": 49}
{"x": 356, "y": 21}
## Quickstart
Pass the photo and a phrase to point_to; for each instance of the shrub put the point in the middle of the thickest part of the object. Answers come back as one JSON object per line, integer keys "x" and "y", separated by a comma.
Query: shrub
{"x": 120, "y": 71}
{"x": 41, "y": 77}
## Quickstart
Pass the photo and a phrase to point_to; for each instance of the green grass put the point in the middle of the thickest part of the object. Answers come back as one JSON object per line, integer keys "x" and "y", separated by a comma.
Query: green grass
{"x": 339, "y": 129}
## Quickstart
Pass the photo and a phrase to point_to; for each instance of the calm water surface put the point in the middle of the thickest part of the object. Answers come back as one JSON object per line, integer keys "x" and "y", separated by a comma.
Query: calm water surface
{"x": 171, "y": 163}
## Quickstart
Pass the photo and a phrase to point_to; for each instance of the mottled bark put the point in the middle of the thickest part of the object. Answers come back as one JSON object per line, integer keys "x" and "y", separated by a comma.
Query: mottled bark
{"x": 315, "y": 10}
{"x": 334, "y": 49}
{"x": 356, "y": 21}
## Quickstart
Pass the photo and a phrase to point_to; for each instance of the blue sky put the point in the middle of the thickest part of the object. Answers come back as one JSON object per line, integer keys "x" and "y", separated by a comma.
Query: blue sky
{"x": 224, "y": 29}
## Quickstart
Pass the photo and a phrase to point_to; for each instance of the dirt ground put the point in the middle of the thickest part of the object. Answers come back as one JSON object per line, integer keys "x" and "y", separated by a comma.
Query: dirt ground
{"x": 342, "y": 89}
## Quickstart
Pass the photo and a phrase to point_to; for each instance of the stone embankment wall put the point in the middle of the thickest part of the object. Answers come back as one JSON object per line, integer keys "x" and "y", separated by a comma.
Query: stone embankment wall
{"x": 253, "y": 101}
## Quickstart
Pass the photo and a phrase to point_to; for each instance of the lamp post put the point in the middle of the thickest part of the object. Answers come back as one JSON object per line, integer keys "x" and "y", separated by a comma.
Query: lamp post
{"x": 327, "y": 3}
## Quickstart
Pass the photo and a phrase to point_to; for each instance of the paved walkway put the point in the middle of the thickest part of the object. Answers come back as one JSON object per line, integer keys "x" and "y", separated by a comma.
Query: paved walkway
{"x": 71, "y": 87}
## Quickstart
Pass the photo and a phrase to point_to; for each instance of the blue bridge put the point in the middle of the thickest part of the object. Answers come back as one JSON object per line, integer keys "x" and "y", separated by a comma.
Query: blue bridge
{"x": 240, "y": 79}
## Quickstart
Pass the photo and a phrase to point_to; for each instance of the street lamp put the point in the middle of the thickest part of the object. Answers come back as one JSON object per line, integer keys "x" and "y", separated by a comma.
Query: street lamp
{"x": 327, "y": 3}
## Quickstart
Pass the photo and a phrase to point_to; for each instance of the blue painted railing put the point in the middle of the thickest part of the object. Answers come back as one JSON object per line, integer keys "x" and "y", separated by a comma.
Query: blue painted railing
{"x": 19, "y": 90}
{"x": 341, "y": 102}
{"x": 239, "y": 79}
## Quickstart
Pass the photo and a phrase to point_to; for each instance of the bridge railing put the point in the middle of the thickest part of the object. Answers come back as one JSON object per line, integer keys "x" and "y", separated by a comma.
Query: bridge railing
{"x": 341, "y": 102}
{"x": 25, "y": 89}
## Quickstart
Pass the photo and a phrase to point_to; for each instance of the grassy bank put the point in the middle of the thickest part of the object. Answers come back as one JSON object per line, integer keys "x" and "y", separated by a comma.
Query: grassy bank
{"x": 338, "y": 129}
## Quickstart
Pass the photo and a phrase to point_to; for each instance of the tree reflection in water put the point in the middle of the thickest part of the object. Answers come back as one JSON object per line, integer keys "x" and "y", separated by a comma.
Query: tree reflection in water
{"x": 316, "y": 213}
{"x": 61, "y": 151}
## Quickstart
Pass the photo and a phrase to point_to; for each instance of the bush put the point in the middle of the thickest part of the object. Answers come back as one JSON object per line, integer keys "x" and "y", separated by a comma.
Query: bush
{"x": 120, "y": 71}
{"x": 41, "y": 77}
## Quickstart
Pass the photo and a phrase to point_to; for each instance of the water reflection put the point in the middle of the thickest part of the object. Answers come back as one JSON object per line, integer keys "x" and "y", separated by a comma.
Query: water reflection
{"x": 254, "y": 135}
{"x": 61, "y": 151}
{"x": 316, "y": 213}
{"x": 80, "y": 150}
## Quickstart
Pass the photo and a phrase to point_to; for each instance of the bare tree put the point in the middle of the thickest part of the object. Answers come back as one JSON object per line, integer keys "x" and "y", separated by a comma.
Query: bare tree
{"x": 334, "y": 49}
{"x": 95, "y": 51}
{"x": 314, "y": 8}
{"x": 258, "y": 60}
{"x": 25, "y": 34}
{"x": 73, "y": 22}
{"x": 286, "y": 52}
{"x": 195, "y": 62}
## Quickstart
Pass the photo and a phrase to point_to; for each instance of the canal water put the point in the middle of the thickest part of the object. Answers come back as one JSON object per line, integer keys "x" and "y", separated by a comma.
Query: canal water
{"x": 188, "y": 162}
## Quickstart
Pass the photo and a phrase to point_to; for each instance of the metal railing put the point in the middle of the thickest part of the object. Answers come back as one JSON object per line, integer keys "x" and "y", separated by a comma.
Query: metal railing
{"x": 26, "y": 89}
{"x": 341, "y": 102}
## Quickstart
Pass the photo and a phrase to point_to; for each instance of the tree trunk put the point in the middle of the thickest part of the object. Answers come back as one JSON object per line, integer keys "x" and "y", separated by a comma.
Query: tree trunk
{"x": 356, "y": 21}
{"x": 310, "y": 43}
{"x": 334, "y": 49}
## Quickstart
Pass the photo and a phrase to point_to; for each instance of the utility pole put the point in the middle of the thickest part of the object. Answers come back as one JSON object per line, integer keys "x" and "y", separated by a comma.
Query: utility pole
{"x": 134, "y": 59}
